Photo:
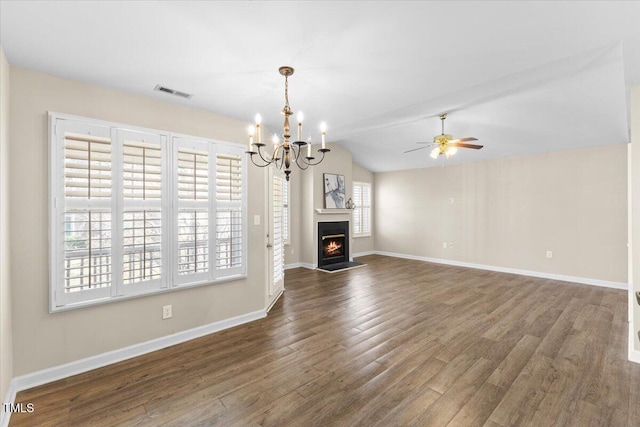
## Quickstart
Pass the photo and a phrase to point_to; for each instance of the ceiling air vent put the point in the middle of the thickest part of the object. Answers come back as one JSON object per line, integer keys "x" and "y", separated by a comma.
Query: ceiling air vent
{"x": 173, "y": 92}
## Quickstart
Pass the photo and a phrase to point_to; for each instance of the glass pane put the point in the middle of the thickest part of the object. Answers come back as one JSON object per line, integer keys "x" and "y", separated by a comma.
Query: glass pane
{"x": 142, "y": 248}
{"x": 193, "y": 241}
{"x": 87, "y": 250}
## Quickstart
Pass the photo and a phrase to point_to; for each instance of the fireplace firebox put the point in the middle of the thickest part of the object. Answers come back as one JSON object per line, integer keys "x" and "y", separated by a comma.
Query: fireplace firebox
{"x": 333, "y": 242}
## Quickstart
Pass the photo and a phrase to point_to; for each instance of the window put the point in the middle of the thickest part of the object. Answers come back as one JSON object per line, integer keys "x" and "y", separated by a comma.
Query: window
{"x": 193, "y": 180}
{"x": 362, "y": 212}
{"x": 285, "y": 211}
{"x": 278, "y": 185}
{"x": 229, "y": 212}
{"x": 135, "y": 212}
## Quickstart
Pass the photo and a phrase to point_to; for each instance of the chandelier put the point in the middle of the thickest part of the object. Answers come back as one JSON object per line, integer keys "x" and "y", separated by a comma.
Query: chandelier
{"x": 285, "y": 153}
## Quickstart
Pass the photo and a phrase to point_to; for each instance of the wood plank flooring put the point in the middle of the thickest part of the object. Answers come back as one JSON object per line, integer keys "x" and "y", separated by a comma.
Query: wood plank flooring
{"x": 394, "y": 343}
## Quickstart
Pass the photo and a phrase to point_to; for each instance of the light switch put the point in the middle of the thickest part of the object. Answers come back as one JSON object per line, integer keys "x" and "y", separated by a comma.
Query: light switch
{"x": 256, "y": 220}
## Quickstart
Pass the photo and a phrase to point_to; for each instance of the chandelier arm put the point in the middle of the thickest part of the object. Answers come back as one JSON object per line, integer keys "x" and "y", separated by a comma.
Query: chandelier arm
{"x": 308, "y": 160}
{"x": 262, "y": 157}
{"x": 254, "y": 162}
{"x": 304, "y": 166}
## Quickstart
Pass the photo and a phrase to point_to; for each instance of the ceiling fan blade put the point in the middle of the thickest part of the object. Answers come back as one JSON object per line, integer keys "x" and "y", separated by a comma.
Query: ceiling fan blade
{"x": 463, "y": 145}
{"x": 467, "y": 139}
{"x": 415, "y": 149}
{"x": 424, "y": 142}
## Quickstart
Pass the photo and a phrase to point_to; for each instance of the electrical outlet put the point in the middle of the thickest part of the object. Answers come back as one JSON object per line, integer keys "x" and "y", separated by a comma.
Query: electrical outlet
{"x": 167, "y": 312}
{"x": 452, "y": 200}
{"x": 549, "y": 254}
{"x": 450, "y": 245}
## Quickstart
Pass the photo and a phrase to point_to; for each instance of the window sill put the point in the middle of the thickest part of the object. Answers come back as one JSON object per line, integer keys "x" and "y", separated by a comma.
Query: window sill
{"x": 101, "y": 301}
{"x": 356, "y": 236}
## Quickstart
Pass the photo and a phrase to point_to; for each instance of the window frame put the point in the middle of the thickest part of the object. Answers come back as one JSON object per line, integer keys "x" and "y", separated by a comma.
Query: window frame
{"x": 61, "y": 301}
{"x": 358, "y": 209}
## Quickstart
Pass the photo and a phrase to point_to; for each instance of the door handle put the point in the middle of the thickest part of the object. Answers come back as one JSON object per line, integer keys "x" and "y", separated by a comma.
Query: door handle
{"x": 269, "y": 245}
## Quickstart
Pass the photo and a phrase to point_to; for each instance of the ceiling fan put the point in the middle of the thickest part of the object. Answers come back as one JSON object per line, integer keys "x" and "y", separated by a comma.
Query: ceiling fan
{"x": 445, "y": 144}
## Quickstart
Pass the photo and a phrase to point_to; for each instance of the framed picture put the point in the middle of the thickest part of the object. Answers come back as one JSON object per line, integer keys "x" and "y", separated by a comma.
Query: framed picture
{"x": 334, "y": 191}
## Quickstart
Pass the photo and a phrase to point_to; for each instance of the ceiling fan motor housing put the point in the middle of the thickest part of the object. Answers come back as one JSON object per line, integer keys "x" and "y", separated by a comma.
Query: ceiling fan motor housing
{"x": 442, "y": 139}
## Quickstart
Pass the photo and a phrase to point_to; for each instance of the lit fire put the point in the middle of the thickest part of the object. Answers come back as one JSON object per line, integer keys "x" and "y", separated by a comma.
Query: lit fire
{"x": 333, "y": 248}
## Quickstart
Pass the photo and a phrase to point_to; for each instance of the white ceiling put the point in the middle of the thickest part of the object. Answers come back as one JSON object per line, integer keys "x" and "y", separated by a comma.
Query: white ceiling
{"x": 522, "y": 77}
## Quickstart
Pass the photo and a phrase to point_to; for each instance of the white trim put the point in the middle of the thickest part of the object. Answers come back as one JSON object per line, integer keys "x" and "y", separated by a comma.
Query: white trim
{"x": 55, "y": 373}
{"x": 10, "y": 397}
{"x": 308, "y": 266}
{"x": 292, "y": 265}
{"x": 634, "y": 355}
{"x": 365, "y": 253}
{"x": 333, "y": 211}
{"x": 275, "y": 300}
{"x": 582, "y": 280}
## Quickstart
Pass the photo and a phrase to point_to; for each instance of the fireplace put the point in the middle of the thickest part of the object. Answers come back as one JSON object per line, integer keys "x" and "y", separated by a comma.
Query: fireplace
{"x": 333, "y": 242}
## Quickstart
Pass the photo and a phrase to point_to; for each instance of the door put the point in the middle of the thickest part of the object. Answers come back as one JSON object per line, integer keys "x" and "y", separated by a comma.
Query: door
{"x": 275, "y": 241}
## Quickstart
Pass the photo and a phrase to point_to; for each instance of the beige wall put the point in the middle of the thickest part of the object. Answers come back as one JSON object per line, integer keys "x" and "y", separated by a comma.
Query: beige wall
{"x": 509, "y": 212}
{"x": 635, "y": 207}
{"x": 42, "y": 340}
{"x": 364, "y": 244}
{"x": 6, "y": 340}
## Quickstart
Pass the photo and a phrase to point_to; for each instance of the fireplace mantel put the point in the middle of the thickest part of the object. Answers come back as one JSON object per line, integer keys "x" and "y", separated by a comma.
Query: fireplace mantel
{"x": 333, "y": 211}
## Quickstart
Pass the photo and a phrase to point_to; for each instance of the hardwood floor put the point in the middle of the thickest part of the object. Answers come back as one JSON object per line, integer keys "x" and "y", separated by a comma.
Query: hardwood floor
{"x": 394, "y": 343}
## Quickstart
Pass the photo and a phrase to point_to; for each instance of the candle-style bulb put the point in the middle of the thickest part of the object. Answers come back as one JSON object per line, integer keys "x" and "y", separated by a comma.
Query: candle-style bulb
{"x": 300, "y": 117}
{"x": 275, "y": 139}
{"x": 258, "y": 119}
{"x": 323, "y": 128}
{"x": 251, "y": 131}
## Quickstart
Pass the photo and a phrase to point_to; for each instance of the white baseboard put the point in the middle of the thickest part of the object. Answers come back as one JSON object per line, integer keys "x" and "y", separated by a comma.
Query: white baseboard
{"x": 359, "y": 254}
{"x": 55, "y": 373}
{"x": 574, "y": 279}
{"x": 10, "y": 397}
{"x": 309, "y": 266}
{"x": 292, "y": 265}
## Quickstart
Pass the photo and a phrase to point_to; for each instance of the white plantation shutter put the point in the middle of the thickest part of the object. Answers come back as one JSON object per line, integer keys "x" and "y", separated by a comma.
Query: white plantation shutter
{"x": 144, "y": 162}
{"x": 229, "y": 219}
{"x": 366, "y": 208}
{"x": 142, "y": 169}
{"x": 278, "y": 226}
{"x": 193, "y": 175}
{"x": 285, "y": 211}
{"x": 362, "y": 212}
{"x": 134, "y": 212}
{"x": 87, "y": 169}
